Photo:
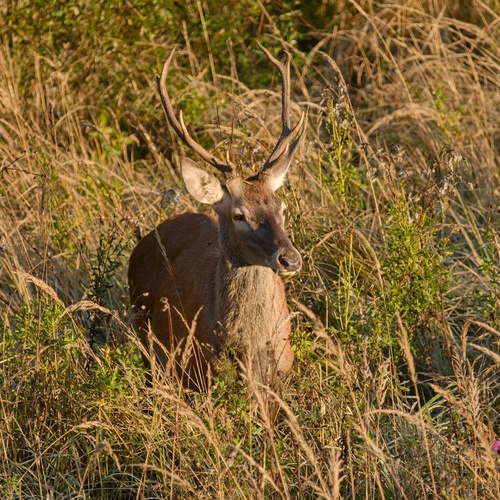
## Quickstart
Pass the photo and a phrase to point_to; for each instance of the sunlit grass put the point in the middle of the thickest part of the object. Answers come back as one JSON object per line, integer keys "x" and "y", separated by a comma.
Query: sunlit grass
{"x": 393, "y": 203}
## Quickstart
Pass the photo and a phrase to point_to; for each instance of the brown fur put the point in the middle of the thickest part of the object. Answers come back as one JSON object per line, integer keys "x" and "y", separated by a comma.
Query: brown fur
{"x": 196, "y": 271}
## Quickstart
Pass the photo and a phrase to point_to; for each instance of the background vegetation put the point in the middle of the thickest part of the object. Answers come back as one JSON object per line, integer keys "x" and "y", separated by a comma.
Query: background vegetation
{"x": 395, "y": 392}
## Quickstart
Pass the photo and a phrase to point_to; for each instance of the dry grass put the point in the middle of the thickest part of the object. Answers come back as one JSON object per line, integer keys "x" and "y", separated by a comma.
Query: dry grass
{"x": 393, "y": 204}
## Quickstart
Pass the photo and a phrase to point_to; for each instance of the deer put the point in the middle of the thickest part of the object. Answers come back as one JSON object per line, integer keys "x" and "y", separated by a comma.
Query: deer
{"x": 208, "y": 288}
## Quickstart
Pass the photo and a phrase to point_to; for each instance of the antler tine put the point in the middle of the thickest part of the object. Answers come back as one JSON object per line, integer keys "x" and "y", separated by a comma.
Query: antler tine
{"x": 180, "y": 128}
{"x": 288, "y": 136}
{"x": 284, "y": 69}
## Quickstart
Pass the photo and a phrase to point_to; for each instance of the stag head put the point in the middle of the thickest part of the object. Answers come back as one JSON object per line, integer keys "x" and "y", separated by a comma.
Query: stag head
{"x": 251, "y": 215}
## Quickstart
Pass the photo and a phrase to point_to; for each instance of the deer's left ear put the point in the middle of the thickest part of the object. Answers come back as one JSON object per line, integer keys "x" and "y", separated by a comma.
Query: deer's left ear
{"x": 203, "y": 186}
{"x": 280, "y": 160}
{"x": 277, "y": 175}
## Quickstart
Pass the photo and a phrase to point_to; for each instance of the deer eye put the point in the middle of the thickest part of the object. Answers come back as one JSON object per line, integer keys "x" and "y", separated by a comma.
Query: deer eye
{"x": 238, "y": 216}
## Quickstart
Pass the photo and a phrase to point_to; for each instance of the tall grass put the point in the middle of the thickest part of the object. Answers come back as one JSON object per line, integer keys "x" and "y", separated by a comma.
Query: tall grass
{"x": 393, "y": 204}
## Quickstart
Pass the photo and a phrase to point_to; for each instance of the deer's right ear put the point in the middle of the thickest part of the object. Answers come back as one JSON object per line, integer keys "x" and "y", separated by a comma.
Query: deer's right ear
{"x": 203, "y": 186}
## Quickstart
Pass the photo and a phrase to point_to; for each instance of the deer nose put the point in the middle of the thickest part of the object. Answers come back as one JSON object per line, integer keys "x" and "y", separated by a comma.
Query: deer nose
{"x": 289, "y": 261}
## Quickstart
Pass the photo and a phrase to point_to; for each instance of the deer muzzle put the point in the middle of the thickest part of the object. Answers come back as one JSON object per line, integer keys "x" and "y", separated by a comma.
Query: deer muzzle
{"x": 287, "y": 260}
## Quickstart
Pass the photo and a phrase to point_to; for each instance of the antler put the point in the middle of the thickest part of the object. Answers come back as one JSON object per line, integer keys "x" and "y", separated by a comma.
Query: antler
{"x": 287, "y": 143}
{"x": 289, "y": 139}
{"x": 180, "y": 128}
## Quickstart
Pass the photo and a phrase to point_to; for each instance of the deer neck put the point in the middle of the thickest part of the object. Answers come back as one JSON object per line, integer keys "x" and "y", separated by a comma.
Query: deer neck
{"x": 252, "y": 317}
{"x": 246, "y": 296}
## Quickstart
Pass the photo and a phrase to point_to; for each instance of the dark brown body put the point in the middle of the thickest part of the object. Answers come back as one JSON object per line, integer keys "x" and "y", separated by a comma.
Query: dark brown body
{"x": 174, "y": 288}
